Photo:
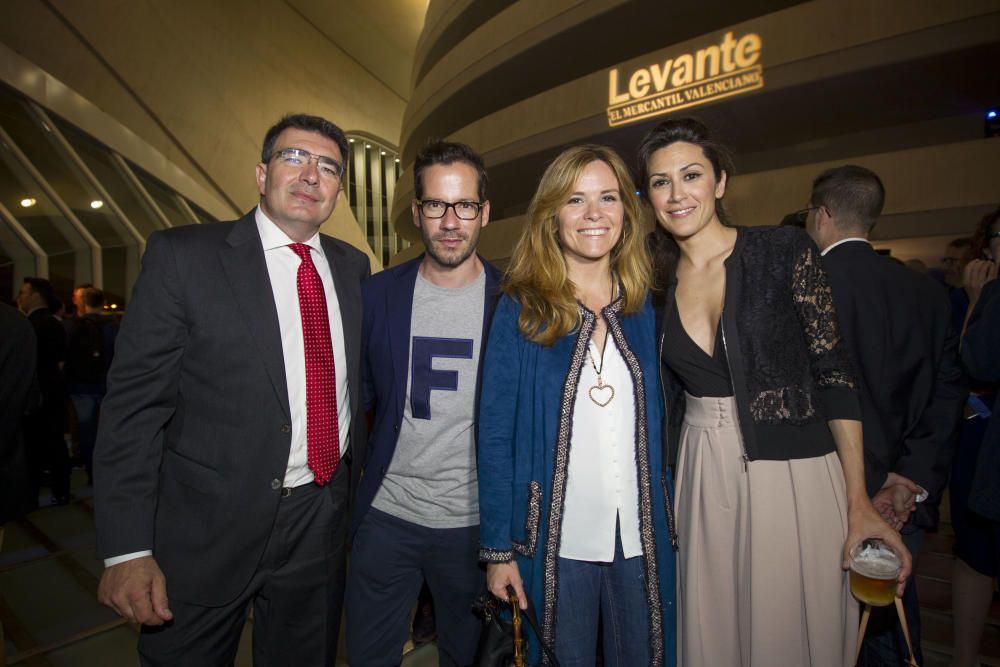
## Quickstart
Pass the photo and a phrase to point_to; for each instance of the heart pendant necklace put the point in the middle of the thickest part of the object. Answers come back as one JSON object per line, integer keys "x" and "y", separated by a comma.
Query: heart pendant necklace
{"x": 601, "y": 393}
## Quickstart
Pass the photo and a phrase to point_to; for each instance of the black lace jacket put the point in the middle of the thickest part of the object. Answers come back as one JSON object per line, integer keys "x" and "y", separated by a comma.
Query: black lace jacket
{"x": 790, "y": 369}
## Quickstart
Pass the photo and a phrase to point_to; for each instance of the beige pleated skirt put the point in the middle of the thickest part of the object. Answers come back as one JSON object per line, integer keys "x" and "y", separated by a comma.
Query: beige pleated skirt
{"x": 760, "y": 583}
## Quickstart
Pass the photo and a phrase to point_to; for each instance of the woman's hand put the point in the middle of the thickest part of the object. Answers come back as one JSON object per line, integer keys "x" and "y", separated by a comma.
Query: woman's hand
{"x": 501, "y": 575}
{"x": 977, "y": 273}
{"x": 863, "y": 523}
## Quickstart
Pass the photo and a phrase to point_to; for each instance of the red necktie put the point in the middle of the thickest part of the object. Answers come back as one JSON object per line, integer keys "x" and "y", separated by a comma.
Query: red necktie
{"x": 322, "y": 431}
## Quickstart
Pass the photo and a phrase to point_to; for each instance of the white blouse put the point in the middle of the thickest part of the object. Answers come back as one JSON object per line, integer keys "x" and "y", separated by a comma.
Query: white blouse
{"x": 601, "y": 485}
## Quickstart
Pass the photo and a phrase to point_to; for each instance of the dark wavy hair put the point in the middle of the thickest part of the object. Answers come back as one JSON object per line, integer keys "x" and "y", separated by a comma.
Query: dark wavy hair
{"x": 692, "y": 131}
{"x": 980, "y": 238}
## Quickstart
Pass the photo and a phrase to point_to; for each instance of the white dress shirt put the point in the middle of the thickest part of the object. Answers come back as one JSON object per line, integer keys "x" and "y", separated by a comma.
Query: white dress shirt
{"x": 601, "y": 484}
{"x": 282, "y": 269}
{"x": 841, "y": 241}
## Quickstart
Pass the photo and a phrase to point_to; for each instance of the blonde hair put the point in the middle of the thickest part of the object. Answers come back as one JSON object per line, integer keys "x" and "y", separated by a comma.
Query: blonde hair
{"x": 537, "y": 277}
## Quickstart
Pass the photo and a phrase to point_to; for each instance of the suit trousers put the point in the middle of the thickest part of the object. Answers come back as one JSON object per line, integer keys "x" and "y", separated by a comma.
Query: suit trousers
{"x": 296, "y": 592}
{"x": 45, "y": 449}
{"x": 389, "y": 560}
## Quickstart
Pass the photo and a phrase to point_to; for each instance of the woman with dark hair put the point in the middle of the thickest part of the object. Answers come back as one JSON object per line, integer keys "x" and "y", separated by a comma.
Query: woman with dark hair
{"x": 976, "y": 545}
{"x": 573, "y": 497}
{"x": 982, "y": 258}
{"x": 763, "y": 423}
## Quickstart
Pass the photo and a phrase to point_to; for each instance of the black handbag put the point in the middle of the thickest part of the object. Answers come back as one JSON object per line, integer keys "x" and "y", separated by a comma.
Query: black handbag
{"x": 501, "y": 642}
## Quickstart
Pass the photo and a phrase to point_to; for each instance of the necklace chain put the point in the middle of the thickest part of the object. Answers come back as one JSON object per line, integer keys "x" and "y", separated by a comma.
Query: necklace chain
{"x": 604, "y": 392}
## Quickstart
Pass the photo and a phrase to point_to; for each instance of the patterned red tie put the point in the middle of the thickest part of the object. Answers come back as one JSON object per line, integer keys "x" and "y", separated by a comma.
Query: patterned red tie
{"x": 322, "y": 430}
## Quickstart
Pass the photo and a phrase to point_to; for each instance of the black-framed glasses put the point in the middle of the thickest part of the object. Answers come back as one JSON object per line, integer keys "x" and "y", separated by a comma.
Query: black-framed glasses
{"x": 802, "y": 214}
{"x": 435, "y": 208}
{"x": 298, "y": 157}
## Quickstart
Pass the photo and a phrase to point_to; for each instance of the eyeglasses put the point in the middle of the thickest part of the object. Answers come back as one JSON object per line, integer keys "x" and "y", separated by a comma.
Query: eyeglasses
{"x": 464, "y": 210}
{"x": 801, "y": 215}
{"x": 297, "y": 157}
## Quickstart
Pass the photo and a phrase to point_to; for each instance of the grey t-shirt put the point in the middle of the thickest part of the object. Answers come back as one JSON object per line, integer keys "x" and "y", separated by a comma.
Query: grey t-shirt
{"x": 431, "y": 480}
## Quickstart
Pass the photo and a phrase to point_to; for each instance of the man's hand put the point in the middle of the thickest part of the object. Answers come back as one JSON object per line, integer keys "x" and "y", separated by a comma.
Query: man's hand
{"x": 897, "y": 499}
{"x": 499, "y": 575}
{"x": 863, "y": 523}
{"x": 136, "y": 590}
{"x": 895, "y": 503}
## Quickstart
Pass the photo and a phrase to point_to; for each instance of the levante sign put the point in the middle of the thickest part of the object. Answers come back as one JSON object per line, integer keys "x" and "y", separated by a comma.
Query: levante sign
{"x": 712, "y": 73}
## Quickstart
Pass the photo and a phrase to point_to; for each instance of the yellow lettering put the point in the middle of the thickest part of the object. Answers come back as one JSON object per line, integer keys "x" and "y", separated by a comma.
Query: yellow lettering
{"x": 683, "y": 70}
{"x": 638, "y": 85}
{"x": 660, "y": 75}
{"x": 727, "y": 46}
{"x": 747, "y": 50}
{"x": 703, "y": 55}
{"x": 614, "y": 97}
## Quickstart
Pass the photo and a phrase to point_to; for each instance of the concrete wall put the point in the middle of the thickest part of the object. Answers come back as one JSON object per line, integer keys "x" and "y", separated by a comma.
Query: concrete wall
{"x": 201, "y": 81}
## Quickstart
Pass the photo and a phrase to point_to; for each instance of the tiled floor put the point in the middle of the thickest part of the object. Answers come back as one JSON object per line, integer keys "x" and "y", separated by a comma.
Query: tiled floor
{"x": 49, "y": 573}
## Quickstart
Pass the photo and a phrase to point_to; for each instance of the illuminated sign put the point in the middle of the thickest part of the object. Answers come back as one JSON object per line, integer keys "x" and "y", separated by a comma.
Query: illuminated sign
{"x": 712, "y": 73}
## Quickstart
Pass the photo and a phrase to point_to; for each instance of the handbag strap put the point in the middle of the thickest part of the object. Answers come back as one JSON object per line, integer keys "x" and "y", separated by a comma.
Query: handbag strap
{"x": 529, "y": 613}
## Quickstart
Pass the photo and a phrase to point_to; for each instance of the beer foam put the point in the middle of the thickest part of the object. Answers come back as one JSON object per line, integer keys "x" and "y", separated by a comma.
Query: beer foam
{"x": 876, "y": 566}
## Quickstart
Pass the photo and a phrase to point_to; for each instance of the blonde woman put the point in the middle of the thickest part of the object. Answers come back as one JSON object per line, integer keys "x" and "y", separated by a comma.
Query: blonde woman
{"x": 574, "y": 504}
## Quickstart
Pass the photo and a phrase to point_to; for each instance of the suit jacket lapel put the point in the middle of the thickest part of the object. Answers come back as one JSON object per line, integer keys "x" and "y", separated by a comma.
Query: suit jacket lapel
{"x": 243, "y": 262}
{"x": 399, "y": 311}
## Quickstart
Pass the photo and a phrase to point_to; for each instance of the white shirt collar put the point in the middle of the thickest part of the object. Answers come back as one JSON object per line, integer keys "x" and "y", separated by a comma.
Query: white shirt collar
{"x": 834, "y": 245}
{"x": 272, "y": 237}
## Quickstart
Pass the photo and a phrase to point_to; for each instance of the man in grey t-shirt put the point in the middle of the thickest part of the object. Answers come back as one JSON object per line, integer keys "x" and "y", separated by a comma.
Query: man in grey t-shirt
{"x": 416, "y": 512}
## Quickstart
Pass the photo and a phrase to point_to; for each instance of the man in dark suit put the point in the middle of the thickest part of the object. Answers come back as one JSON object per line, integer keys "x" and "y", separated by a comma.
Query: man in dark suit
{"x": 222, "y": 465}
{"x": 90, "y": 347}
{"x": 898, "y": 326}
{"x": 416, "y": 514}
{"x": 44, "y": 429}
{"x": 18, "y": 395}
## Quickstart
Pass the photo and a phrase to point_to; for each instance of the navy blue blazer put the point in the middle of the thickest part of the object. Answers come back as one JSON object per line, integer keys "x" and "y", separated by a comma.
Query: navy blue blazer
{"x": 387, "y": 299}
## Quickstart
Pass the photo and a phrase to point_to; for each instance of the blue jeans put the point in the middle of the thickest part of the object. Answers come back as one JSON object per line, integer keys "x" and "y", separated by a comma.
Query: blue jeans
{"x": 613, "y": 592}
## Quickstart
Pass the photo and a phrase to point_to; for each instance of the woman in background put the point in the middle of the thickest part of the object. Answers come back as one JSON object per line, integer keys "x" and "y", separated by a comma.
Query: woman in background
{"x": 976, "y": 555}
{"x": 573, "y": 497}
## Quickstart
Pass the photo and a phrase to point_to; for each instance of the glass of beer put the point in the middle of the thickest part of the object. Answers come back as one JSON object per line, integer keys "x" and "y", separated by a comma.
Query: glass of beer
{"x": 874, "y": 573}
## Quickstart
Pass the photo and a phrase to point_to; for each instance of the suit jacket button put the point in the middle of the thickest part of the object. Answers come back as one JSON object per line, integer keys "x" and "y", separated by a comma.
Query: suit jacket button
{"x": 275, "y": 483}
{"x": 285, "y": 428}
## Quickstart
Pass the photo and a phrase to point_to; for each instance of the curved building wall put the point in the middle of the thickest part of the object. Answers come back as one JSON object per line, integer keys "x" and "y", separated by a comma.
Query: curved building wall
{"x": 900, "y": 87}
{"x": 184, "y": 91}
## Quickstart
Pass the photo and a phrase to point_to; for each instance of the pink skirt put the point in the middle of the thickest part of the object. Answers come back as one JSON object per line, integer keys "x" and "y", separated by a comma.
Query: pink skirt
{"x": 760, "y": 583}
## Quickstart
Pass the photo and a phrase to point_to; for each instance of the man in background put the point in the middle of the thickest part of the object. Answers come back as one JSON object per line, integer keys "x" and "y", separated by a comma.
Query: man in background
{"x": 44, "y": 429}
{"x": 897, "y": 324}
{"x": 90, "y": 346}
